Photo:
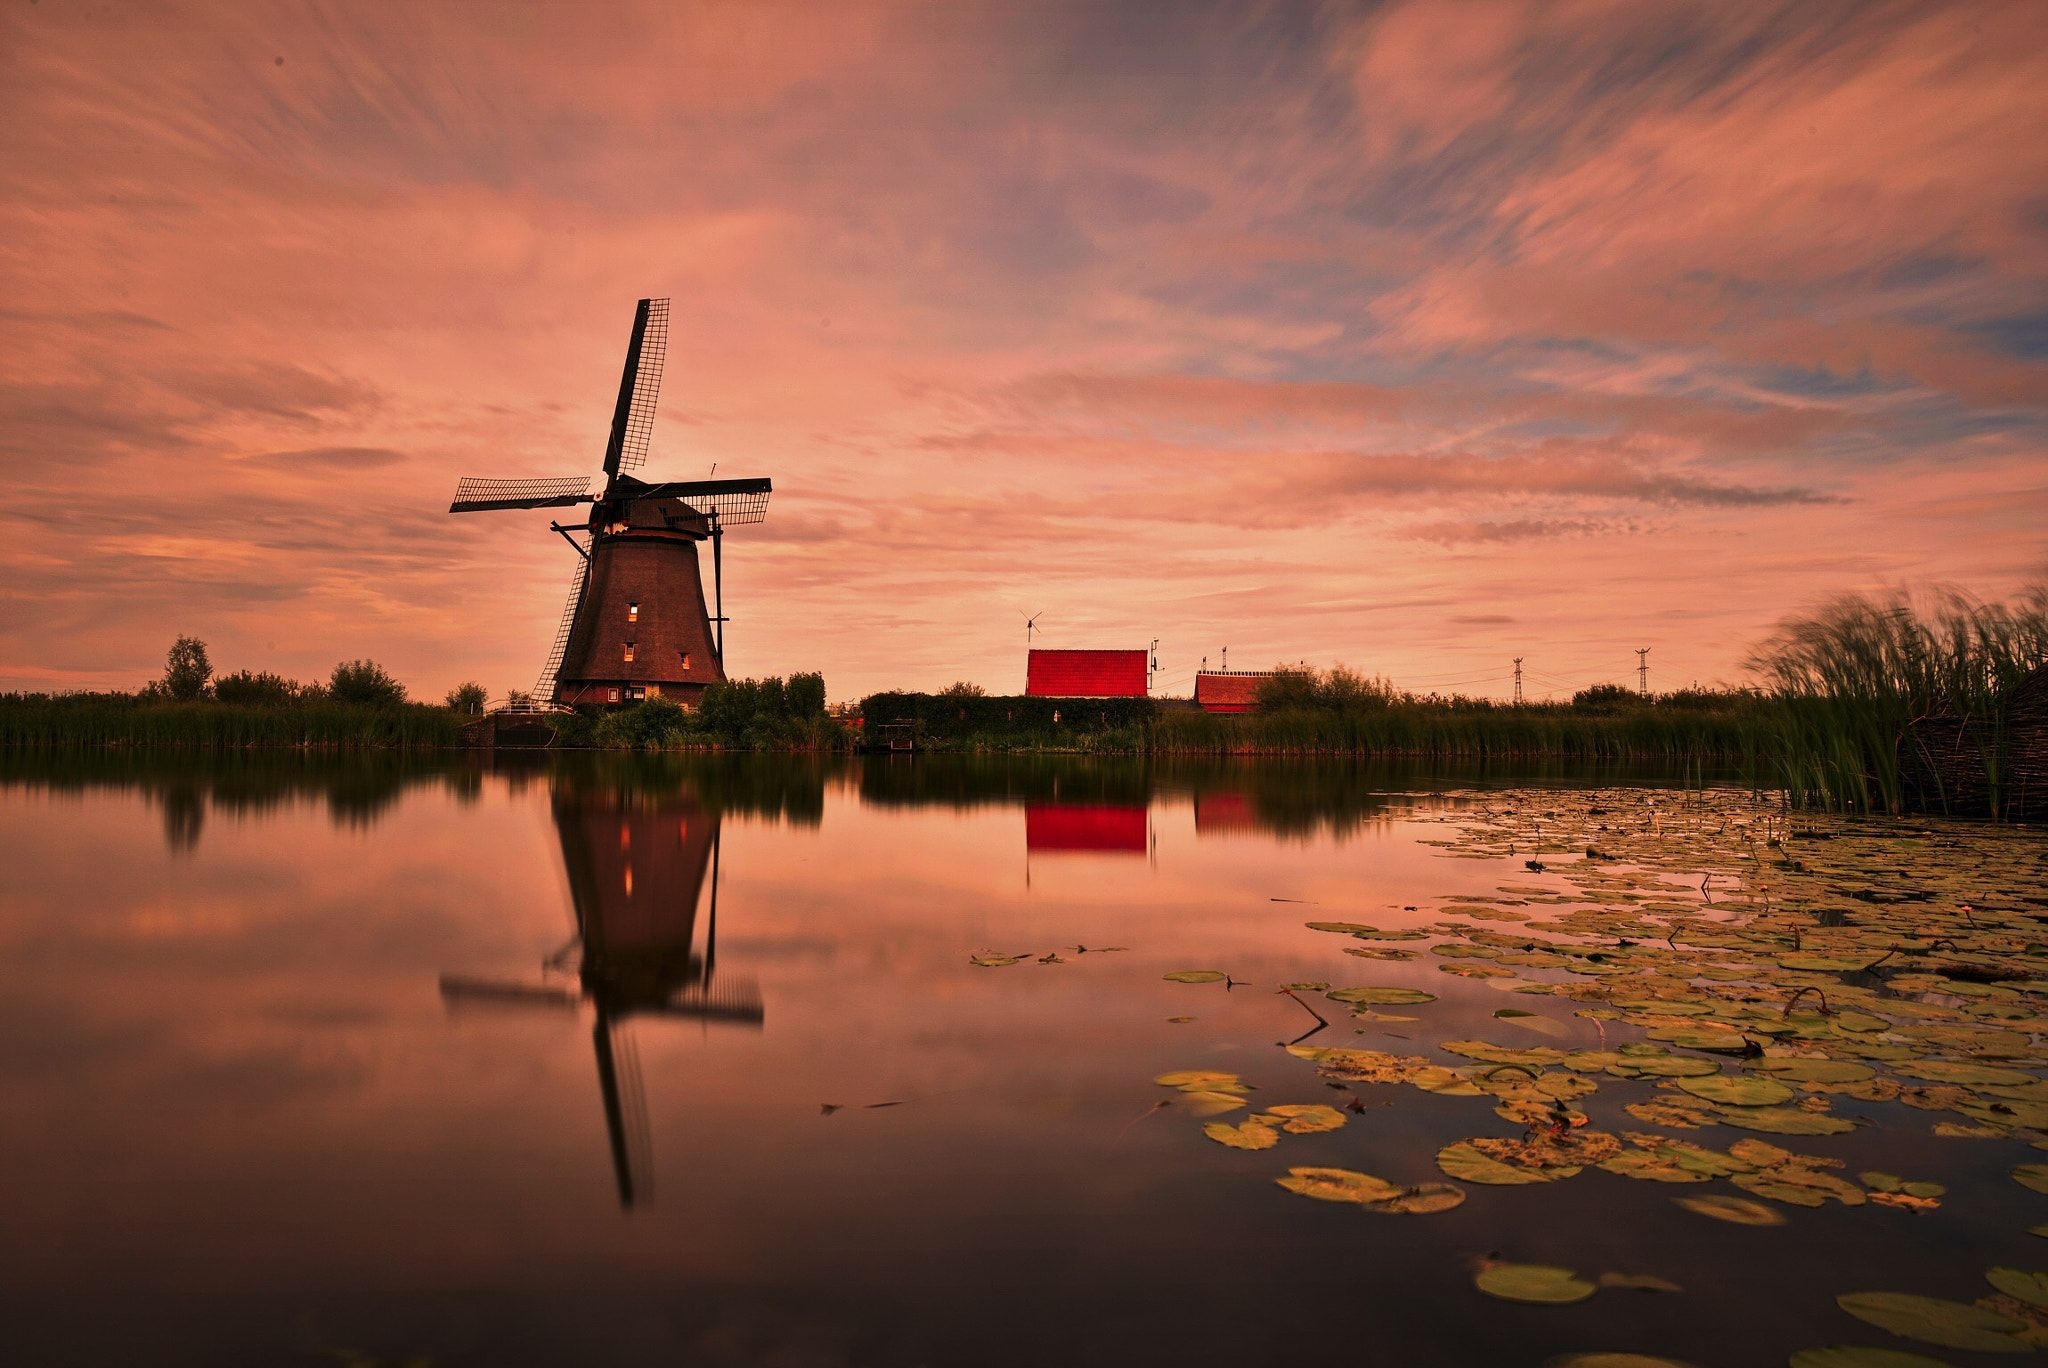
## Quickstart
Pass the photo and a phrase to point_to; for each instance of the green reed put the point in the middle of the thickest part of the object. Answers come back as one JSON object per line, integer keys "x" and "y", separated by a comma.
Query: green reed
{"x": 76, "y": 721}
{"x": 1894, "y": 702}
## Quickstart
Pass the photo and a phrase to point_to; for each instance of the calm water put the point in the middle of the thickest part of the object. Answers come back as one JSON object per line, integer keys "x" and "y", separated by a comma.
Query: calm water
{"x": 304, "y": 1058}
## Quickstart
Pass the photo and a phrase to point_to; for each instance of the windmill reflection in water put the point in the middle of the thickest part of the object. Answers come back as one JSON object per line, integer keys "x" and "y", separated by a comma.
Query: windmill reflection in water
{"x": 638, "y": 861}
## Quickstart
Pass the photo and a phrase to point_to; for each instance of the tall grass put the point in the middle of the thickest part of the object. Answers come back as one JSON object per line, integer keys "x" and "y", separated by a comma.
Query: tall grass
{"x": 78, "y": 721}
{"x": 1890, "y": 702}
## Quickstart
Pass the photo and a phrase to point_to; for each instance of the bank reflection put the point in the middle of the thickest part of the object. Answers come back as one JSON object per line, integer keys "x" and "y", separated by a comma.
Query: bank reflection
{"x": 643, "y": 865}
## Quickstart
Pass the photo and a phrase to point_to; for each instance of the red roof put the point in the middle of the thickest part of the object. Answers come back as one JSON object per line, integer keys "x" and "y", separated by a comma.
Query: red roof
{"x": 1109, "y": 827}
{"x": 1229, "y": 692}
{"x": 1085, "y": 674}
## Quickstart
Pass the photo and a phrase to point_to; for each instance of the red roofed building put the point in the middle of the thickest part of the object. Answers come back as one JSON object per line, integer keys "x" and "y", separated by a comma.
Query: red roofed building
{"x": 1229, "y": 691}
{"x": 1085, "y": 674}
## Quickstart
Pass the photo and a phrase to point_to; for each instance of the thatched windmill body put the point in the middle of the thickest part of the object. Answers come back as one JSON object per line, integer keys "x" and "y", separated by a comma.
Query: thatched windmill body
{"x": 636, "y": 624}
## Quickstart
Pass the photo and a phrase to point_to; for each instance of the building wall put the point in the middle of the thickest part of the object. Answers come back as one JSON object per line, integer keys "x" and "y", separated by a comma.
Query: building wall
{"x": 660, "y": 574}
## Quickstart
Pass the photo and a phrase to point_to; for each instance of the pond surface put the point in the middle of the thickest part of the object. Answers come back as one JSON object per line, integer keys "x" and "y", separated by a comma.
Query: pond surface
{"x": 619, "y": 1062}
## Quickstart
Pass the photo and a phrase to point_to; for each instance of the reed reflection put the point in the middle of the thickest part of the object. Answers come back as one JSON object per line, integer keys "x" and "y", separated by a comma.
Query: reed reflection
{"x": 641, "y": 859}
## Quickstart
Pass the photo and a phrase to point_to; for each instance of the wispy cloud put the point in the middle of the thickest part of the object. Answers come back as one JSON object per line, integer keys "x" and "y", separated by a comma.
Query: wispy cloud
{"x": 1305, "y": 328}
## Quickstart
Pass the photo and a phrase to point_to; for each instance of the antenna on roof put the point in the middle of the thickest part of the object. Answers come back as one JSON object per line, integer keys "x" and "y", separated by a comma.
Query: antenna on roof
{"x": 1151, "y": 663}
{"x": 1226, "y": 657}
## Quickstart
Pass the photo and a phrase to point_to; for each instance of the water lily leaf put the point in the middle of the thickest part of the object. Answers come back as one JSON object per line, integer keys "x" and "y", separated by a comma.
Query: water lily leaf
{"x": 1307, "y": 1118}
{"x": 1934, "y": 1320}
{"x": 1381, "y": 997}
{"x": 1250, "y": 1134}
{"x": 1824, "y": 963}
{"x": 1965, "y": 1075}
{"x": 1200, "y": 1080}
{"x": 1735, "y": 1090}
{"x": 990, "y": 961}
{"x": 1737, "y": 1210}
{"x": 1784, "y": 1121}
{"x": 1663, "y": 1066}
{"x": 1462, "y": 1160}
{"x": 1203, "y": 1103}
{"x": 1805, "y": 1070}
{"x": 2028, "y": 1287}
{"x": 1891, "y": 1183}
{"x": 1536, "y": 1284}
{"x": 2034, "y": 1176}
{"x": 1856, "y": 1356}
{"x": 1639, "y": 1282}
{"x": 1424, "y": 1199}
{"x": 1342, "y": 928}
{"x": 1337, "y": 1185}
{"x": 1195, "y": 976}
{"x": 1650, "y": 1167}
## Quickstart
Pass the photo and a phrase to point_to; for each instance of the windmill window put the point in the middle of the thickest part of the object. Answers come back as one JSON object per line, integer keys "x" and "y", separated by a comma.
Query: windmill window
{"x": 632, "y": 612}
{"x": 629, "y": 650}
{"x": 614, "y": 695}
{"x": 686, "y": 659}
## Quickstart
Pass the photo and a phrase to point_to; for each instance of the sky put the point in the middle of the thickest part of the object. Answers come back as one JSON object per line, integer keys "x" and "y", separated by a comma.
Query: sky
{"x": 1412, "y": 336}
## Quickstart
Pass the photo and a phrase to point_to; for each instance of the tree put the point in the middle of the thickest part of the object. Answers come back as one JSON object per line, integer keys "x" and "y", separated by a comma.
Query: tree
{"x": 468, "y": 697}
{"x": 962, "y": 688}
{"x": 805, "y": 695}
{"x": 365, "y": 682}
{"x": 187, "y": 669}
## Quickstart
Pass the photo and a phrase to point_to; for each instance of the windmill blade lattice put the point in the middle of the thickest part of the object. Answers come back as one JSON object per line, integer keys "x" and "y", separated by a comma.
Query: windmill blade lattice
{"x": 474, "y": 495}
{"x": 639, "y": 389}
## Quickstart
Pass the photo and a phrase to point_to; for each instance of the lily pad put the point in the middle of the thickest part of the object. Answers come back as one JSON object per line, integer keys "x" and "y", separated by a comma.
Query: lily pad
{"x": 1306, "y": 1118}
{"x": 2031, "y": 1288}
{"x": 1195, "y": 976}
{"x": 1735, "y": 1090}
{"x": 1462, "y": 1161}
{"x": 1735, "y": 1210}
{"x": 2034, "y": 1176}
{"x": 1784, "y": 1121}
{"x": 1536, "y": 1284}
{"x": 1249, "y": 1134}
{"x": 1935, "y": 1320}
{"x": 1381, "y": 997}
{"x": 1423, "y": 1199}
{"x": 1337, "y": 1185}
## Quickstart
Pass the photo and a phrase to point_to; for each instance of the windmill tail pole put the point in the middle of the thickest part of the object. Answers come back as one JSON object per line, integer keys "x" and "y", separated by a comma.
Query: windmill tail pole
{"x": 718, "y": 583}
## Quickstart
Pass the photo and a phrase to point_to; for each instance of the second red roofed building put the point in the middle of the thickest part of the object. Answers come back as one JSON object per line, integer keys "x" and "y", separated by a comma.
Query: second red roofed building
{"x": 1229, "y": 691}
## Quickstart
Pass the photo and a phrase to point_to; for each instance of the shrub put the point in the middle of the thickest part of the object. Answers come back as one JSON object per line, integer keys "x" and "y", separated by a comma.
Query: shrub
{"x": 467, "y": 697}
{"x": 365, "y": 682}
{"x": 262, "y": 689}
{"x": 1605, "y": 698}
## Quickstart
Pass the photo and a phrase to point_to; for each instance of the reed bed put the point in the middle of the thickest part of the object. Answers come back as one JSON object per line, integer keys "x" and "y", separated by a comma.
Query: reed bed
{"x": 1896, "y": 702}
{"x": 87, "y": 721}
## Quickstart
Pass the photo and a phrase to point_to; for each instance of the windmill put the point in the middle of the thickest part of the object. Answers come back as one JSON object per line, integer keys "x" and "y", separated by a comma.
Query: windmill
{"x": 635, "y": 625}
{"x": 1030, "y": 623}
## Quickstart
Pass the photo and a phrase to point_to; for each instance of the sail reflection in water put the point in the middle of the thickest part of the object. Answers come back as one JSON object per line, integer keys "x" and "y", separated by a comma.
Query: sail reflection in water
{"x": 638, "y": 860}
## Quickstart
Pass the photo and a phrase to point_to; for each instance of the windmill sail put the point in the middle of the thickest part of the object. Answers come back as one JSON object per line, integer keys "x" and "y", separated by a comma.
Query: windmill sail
{"x": 639, "y": 389}
{"x": 544, "y": 687}
{"x": 734, "y": 501}
{"x": 473, "y": 495}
